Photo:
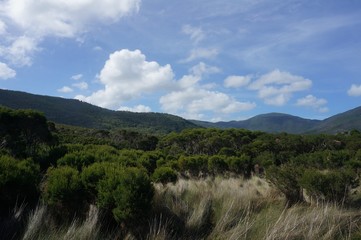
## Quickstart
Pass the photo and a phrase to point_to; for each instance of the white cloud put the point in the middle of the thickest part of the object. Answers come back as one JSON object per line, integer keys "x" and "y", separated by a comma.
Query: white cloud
{"x": 6, "y": 72}
{"x": 2, "y": 28}
{"x": 192, "y": 99}
{"x": 276, "y": 88}
{"x": 77, "y": 77}
{"x": 20, "y": 51}
{"x": 196, "y": 34}
{"x": 138, "y": 108}
{"x": 64, "y": 18}
{"x": 354, "y": 91}
{"x": 81, "y": 85}
{"x": 127, "y": 75}
{"x": 202, "y": 53}
{"x": 33, "y": 20}
{"x": 237, "y": 81}
{"x": 65, "y": 89}
{"x": 192, "y": 102}
{"x": 311, "y": 101}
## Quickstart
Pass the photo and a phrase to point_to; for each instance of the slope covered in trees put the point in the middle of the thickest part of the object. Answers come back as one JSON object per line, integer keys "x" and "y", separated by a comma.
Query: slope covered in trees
{"x": 77, "y": 113}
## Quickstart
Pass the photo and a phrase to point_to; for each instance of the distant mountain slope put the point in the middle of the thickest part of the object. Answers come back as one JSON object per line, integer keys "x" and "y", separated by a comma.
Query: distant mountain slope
{"x": 341, "y": 122}
{"x": 77, "y": 113}
{"x": 271, "y": 122}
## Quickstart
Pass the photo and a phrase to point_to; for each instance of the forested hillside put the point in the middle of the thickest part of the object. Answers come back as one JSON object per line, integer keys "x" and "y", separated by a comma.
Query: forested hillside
{"x": 77, "y": 113}
{"x": 81, "y": 114}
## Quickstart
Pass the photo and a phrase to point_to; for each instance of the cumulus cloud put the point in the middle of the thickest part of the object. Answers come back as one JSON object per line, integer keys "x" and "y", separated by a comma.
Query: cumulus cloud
{"x": 127, "y": 75}
{"x": 276, "y": 88}
{"x": 237, "y": 81}
{"x": 65, "y": 89}
{"x": 33, "y": 20}
{"x": 196, "y": 34}
{"x": 192, "y": 99}
{"x": 311, "y": 101}
{"x": 192, "y": 102}
{"x": 6, "y": 72}
{"x": 354, "y": 91}
{"x": 77, "y": 77}
{"x": 20, "y": 51}
{"x": 138, "y": 108}
{"x": 64, "y": 18}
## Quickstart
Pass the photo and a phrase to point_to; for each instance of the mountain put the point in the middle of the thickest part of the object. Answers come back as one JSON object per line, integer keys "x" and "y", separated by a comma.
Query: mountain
{"x": 271, "y": 122}
{"x": 340, "y": 123}
{"x": 279, "y": 122}
{"x": 77, "y": 113}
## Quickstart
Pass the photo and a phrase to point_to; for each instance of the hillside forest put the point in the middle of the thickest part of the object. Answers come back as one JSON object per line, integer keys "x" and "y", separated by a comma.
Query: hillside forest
{"x": 59, "y": 181}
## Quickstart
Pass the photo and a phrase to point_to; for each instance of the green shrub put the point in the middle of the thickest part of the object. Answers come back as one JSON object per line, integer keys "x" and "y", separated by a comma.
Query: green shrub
{"x": 240, "y": 165}
{"x": 164, "y": 175}
{"x": 330, "y": 185}
{"x": 217, "y": 164}
{"x": 127, "y": 193}
{"x": 286, "y": 179}
{"x": 77, "y": 160}
{"x": 19, "y": 181}
{"x": 193, "y": 164}
{"x": 63, "y": 189}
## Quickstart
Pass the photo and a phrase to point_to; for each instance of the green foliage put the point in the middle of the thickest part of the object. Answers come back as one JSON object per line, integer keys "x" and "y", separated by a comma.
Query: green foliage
{"x": 193, "y": 164}
{"x": 217, "y": 164}
{"x": 63, "y": 189}
{"x": 164, "y": 175}
{"x": 240, "y": 165}
{"x": 77, "y": 113}
{"x": 286, "y": 179}
{"x": 127, "y": 193}
{"x": 19, "y": 181}
{"x": 329, "y": 185}
{"x": 23, "y": 132}
{"x": 77, "y": 160}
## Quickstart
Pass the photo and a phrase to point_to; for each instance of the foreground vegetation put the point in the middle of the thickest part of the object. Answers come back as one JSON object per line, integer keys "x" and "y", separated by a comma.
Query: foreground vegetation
{"x": 73, "y": 183}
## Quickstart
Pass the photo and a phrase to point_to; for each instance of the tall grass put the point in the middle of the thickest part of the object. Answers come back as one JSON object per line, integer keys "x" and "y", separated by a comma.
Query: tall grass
{"x": 211, "y": 208}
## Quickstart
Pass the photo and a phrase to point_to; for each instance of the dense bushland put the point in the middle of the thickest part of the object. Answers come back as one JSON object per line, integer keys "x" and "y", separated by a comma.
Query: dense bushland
{"x": 132, "y": 179}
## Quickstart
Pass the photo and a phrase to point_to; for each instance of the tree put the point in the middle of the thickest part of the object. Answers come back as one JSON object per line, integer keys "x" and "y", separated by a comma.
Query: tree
{"x": 164, "y": 175}
{"x": 64, "y": 191}
{"x": 286, "y": 179}
{"x": 127, "y": 193}
{"x": 19, "y": 181}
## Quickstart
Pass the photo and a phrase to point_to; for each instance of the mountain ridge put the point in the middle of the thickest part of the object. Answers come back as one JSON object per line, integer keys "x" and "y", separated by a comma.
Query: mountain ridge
{"x": 77, "y": 113}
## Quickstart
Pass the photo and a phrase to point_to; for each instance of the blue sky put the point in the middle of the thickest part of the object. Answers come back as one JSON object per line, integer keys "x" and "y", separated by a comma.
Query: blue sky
{"x": 208, "y": 60}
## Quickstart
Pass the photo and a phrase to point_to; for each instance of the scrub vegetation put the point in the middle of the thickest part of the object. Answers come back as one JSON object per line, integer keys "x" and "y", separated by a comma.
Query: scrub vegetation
{"x": 60, "y": 182}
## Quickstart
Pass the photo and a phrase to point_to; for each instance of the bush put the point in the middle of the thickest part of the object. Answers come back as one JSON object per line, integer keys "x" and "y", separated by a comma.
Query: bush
{"x": 194, "y": 164}
{"x": 164, "y": 175}
{"x": 127, "y": 193}
{"x": 286, "y": 179}
{"x": 217, "y": 164}
{"x": 330, "y": 185}
{"x": 63, "y": 189}
{"x": 19, "y": 181}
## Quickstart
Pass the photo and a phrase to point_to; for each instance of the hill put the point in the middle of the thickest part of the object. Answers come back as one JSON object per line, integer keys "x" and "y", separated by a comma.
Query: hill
{"x": 77, "y": 113}
{"x": 279, "y": 122}
{"x": 340, "y": 123}
{"x": 271, "y": 122}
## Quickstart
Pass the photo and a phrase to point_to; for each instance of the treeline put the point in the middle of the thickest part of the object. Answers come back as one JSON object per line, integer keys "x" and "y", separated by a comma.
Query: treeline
{"x": 70, "y": 168}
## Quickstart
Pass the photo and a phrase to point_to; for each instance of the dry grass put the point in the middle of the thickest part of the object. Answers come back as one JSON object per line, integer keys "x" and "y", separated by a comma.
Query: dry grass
{"x": 219, "y": 209}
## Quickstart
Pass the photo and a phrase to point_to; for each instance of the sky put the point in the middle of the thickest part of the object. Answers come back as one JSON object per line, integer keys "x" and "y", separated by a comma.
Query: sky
{"x": 211, "y": 60}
